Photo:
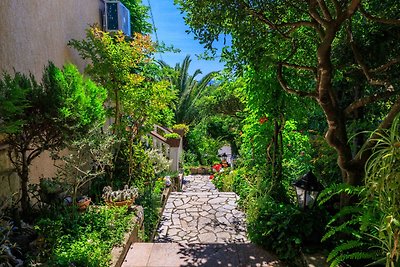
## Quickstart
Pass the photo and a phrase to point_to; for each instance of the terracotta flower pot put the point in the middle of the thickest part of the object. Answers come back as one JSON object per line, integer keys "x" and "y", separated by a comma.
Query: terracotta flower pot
{"x": 82, "y": 205}
{"x": 128, "y": 202}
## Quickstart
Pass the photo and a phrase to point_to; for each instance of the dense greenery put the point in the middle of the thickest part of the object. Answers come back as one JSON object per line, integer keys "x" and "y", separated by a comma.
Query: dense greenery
{"x": 84, "y": 239}
{"x": 38, "y": 117}
{"x": 309, "y": 85}
{"x": 316, "y": 77}
{"x": 316, "y": 51}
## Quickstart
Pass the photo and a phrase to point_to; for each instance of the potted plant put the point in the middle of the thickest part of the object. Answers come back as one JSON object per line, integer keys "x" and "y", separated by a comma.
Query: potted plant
{"x": 83, "y": 202}
{"x": 173, "y": 139}
{"x": 181, "y": 129}
{"x": 119, "y": 197}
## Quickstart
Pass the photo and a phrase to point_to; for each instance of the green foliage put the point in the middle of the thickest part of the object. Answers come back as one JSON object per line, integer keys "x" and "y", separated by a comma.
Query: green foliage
{"x": 133, "y": 167}
{"x": 353, "y": 229}
{"x": 383, "y": 168}
{"x": 13, "y": 93}
{"x": 151, "y": 202}
{"x": 93, "y": 149}
{"x": 202, "y": 148}
{"x": 125, "y": 68}
{"x": 187, "y": 87}
{"x": 275, "y": 226}
{"x": 160, "y": 163}
{"x": 172, "y": 136}
{"x": 182, "y": 127}
{"x": 239, "y": 180}
{"x": 39, "y": 117}
{"x": 324, "y": 160}
{"x": 86, "y": 239}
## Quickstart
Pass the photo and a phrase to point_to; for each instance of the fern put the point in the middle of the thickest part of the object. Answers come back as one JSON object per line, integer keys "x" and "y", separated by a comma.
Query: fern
{"x": 353, "y": 256}
{"x": 335, "y": 253}
{"x": 337, "y": 189}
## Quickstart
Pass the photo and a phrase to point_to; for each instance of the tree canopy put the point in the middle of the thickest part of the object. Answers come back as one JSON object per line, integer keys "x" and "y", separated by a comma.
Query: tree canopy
{"x": 340, "y": 54}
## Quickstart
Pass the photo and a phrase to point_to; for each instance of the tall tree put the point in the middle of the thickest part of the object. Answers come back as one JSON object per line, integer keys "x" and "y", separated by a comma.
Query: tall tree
{"x": 126, "y": 69}
{"x": 188, "y": 88}
{"x": 326, "y": 45}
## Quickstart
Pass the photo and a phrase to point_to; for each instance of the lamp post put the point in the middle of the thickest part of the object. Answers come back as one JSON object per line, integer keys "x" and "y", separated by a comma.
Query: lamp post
{"x": 307, "y": 190}
{"x": 224, "y": 161}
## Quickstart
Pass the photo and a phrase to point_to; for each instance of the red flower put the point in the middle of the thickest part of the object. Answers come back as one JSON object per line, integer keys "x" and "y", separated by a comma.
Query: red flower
{"x": 217, "y": 167}
{"x": 211, "y": 177}
{"x": 262, "y": 120}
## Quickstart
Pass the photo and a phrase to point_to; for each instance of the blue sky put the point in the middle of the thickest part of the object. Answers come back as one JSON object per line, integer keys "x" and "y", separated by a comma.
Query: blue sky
{"x": 171, "y": 30}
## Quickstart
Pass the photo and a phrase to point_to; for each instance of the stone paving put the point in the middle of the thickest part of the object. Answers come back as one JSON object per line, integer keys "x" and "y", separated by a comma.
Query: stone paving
{"x": 200, "y": 227}
{"x": 201, "y": 214}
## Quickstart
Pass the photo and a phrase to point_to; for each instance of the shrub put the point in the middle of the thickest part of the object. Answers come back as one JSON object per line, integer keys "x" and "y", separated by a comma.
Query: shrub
{"x": 84, "y": 239}
{"x": 283, "y": 228}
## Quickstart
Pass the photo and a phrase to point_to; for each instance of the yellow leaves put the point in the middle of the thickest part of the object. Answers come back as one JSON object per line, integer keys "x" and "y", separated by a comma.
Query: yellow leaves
{"x": 135, "y": 79}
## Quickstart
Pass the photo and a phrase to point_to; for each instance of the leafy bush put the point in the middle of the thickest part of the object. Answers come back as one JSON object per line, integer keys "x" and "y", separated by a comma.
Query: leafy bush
{"x": 84, "y": 239}
{"x": 234, "y": 181}
{"x": 182, "y": 127}
{"x": 283, "y": 228}
{"x": 172, "y": 136}
{"x": 160, "y": 163}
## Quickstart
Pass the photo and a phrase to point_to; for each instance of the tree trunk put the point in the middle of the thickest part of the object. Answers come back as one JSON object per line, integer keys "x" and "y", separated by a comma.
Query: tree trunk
{"x": 25, "y": 204}
{"x": 276, "y": 189}
{"x": 336, "y": 135}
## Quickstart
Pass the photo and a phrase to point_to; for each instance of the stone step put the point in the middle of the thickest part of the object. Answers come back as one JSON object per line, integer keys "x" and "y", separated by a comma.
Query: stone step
{"x": 174, "y": 255}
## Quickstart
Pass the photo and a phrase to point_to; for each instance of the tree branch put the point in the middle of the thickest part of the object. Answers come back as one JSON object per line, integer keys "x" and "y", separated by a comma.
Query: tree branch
{"x": 262, "y": 18}
{"x": 359, "y": 59}
{"x": 385, "y": 66}
{"x": 312, "y": 10}
{"x": 385, "y": 124}
{"x": 352, "y": 8}
{"x": 299, "y": 67}
{"x": 286, "y": 87}
{"x": 380, "y": 20}
{"x": 367, "y": 100}
{"x": 325, "y": 10}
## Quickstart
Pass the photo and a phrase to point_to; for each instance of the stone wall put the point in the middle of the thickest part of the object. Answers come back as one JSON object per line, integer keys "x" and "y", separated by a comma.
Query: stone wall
{"x": 32, "y": 33}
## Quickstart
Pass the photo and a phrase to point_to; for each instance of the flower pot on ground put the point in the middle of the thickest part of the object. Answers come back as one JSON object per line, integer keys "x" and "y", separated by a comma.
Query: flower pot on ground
{"x": 83, "y": 202}
{"x": 125, "y": 197}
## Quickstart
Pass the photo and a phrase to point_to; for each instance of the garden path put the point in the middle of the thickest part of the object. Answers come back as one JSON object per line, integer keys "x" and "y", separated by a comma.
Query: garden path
{"x": 200, "y": 227}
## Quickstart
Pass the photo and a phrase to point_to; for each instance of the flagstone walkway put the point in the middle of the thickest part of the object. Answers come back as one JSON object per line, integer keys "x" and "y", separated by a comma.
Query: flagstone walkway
{"x": 201, "y": 214}
{"x": 200, "y": 227}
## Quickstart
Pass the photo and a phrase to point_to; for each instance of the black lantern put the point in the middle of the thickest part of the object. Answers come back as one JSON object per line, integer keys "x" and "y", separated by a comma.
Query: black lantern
{"x": 307, "y": 190}
{"x": 224, "y": 157}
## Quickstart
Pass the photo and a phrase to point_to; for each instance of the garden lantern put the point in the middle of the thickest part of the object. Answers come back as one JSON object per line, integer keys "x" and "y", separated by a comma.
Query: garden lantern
{"x": 224, "y": 157}
{"x": 307, "y": 190}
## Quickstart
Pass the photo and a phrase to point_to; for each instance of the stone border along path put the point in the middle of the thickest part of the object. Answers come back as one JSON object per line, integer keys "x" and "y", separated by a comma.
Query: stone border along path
{"x": 200, "y": 227}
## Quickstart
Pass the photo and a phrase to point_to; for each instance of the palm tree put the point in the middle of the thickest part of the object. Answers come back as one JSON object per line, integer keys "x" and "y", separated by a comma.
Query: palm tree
{"x": 188, "y": 88}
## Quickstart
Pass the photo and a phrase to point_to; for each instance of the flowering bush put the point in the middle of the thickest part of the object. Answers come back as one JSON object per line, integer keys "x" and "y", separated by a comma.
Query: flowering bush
{"x": 160, "y": 163}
